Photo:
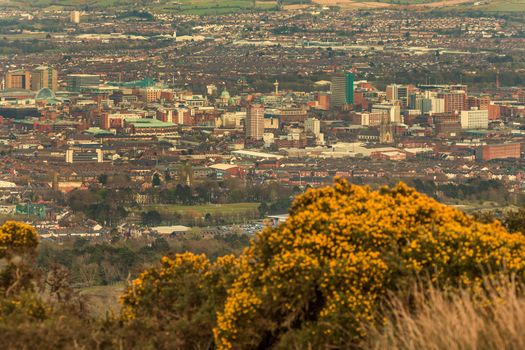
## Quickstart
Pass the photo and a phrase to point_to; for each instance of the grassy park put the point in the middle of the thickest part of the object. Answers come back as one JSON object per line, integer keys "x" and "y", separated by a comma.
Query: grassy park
{"x": 195, "y": 214}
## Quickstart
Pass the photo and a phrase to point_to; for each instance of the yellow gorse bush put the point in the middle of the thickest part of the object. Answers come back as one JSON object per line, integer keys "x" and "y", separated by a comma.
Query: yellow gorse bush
{"x": 18, "y": 243}
{"x": 17, "y": 237}
{"x": 323, "y": 272}
{"x": 152, "y": 286}
{"x": 180, "y": 297}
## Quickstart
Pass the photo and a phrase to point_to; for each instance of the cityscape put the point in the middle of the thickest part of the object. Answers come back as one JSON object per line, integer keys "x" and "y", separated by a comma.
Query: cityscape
{"x": 132, "y": 130}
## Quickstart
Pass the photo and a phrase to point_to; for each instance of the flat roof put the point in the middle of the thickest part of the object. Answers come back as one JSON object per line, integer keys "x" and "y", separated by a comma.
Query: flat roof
{"x": 255, "y": 154}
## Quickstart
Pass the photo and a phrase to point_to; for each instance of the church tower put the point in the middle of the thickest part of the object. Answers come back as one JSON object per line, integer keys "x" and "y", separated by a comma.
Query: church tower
{"x": 386, "y": 130}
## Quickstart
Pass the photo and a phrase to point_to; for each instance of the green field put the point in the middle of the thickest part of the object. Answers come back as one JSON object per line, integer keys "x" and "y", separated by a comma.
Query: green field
{"x": 197, "y": 7}
{"x": 218, "y": 7}
{"x": 214, "y": 209}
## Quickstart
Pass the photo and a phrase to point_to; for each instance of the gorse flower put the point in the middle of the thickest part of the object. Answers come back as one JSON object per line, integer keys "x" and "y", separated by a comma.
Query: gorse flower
{"x": 17, "y": 238}
{"x": 343, "y": 247}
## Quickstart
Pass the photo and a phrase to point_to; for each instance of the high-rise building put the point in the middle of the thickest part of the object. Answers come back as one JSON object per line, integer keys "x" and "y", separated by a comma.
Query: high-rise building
{"x": 455, "y": 101}
{"x": 77, "y": 81}
{"x": 18, "y": 79}
{"x": 254, "y": 122}
{"x": 438, "y": 105}
{"x": 44, "y": 77}
{"x": 342, "y": 89}
{"x": 75, "y": 17}
{"x": 397, "y": 92}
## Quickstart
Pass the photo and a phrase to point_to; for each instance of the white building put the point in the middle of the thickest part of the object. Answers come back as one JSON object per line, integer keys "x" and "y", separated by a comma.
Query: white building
{"x": 438, "y": 105}
{"x": 313, "y": 126}
{"x": 75, "y": 17}
{"x": 475, "y": 119}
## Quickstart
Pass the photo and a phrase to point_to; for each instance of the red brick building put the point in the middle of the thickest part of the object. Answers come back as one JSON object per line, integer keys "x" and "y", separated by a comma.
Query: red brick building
{"x": 498, "y": 151}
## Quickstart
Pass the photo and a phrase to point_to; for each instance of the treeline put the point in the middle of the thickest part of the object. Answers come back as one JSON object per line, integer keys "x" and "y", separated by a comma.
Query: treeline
{"x": 113, "y": 199}
{"x": 470, "y": 190}
{"x": 99, "y": 263}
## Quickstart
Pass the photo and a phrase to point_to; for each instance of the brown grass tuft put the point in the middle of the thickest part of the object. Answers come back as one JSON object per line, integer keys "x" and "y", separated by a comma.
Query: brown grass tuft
{"x": 460, "y": 320}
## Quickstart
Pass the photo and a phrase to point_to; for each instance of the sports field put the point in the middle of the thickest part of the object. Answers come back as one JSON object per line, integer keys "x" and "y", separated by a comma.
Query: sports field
{"x": 213, "y": 209}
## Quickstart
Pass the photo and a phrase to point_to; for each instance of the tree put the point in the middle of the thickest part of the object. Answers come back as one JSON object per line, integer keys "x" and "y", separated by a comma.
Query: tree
{"x": 155, "y": 181}
{"x": 316, "y": 279}
{"x": 151, "y": 218}
{"x": 103, "y": 179}
{"x": 514, "y": 221}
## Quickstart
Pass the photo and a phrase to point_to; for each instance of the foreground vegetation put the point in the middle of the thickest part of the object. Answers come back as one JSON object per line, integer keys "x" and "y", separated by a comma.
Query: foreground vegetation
{"x": 351, "y": 268}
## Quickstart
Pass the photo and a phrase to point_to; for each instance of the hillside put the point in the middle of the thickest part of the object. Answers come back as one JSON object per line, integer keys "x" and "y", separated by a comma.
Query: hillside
{"x": 213, "y": 7}
{"x": 482, "y": 5}
{"x": 186, "y": 6}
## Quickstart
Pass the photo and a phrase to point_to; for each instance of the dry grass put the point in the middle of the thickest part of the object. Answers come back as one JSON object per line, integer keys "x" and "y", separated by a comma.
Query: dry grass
{"x": 453, "y": 321}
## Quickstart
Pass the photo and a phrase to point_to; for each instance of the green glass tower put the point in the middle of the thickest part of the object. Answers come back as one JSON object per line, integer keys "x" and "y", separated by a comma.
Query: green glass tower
{"x": 342, "y": 89}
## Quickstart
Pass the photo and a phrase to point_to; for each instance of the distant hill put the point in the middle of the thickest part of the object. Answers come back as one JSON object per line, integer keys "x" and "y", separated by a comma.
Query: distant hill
{"x": 211, "y": 7}
{"x": 476, "y": 5}
{"x": 183, "y": 6}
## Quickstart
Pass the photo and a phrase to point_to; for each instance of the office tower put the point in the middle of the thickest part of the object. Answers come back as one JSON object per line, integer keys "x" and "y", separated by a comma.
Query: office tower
{"x": 254, "y": 123}
{"x": 342, "y": 89}
{"x": 77, "y": 81}
{"x": 396, "y": 92}
{"x": 475, "y": 119}
{"x": 18, "y": 79}
{"x": 75, "y": 17}
{"x": 44, "y": 77}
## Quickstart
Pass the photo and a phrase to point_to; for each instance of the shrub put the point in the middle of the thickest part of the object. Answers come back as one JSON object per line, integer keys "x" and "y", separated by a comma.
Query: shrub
{"x": 316, "y": 278}
{"x": 180, "y": 297}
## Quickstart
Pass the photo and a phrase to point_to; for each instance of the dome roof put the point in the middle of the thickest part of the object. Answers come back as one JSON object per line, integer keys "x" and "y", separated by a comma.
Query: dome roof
{"x": 45, "y": 94}
{"x": 225, "y": 94}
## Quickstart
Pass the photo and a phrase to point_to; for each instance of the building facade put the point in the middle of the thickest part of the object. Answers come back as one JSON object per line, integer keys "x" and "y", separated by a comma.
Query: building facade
{"x": 19, "y": 79}
{"x": 498, "y": 151}
{"x": 254, "y": 123}
{"x": 475, "y": 119}
{"x": 342, "y": 90}
{"x": 44, "y": 77}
